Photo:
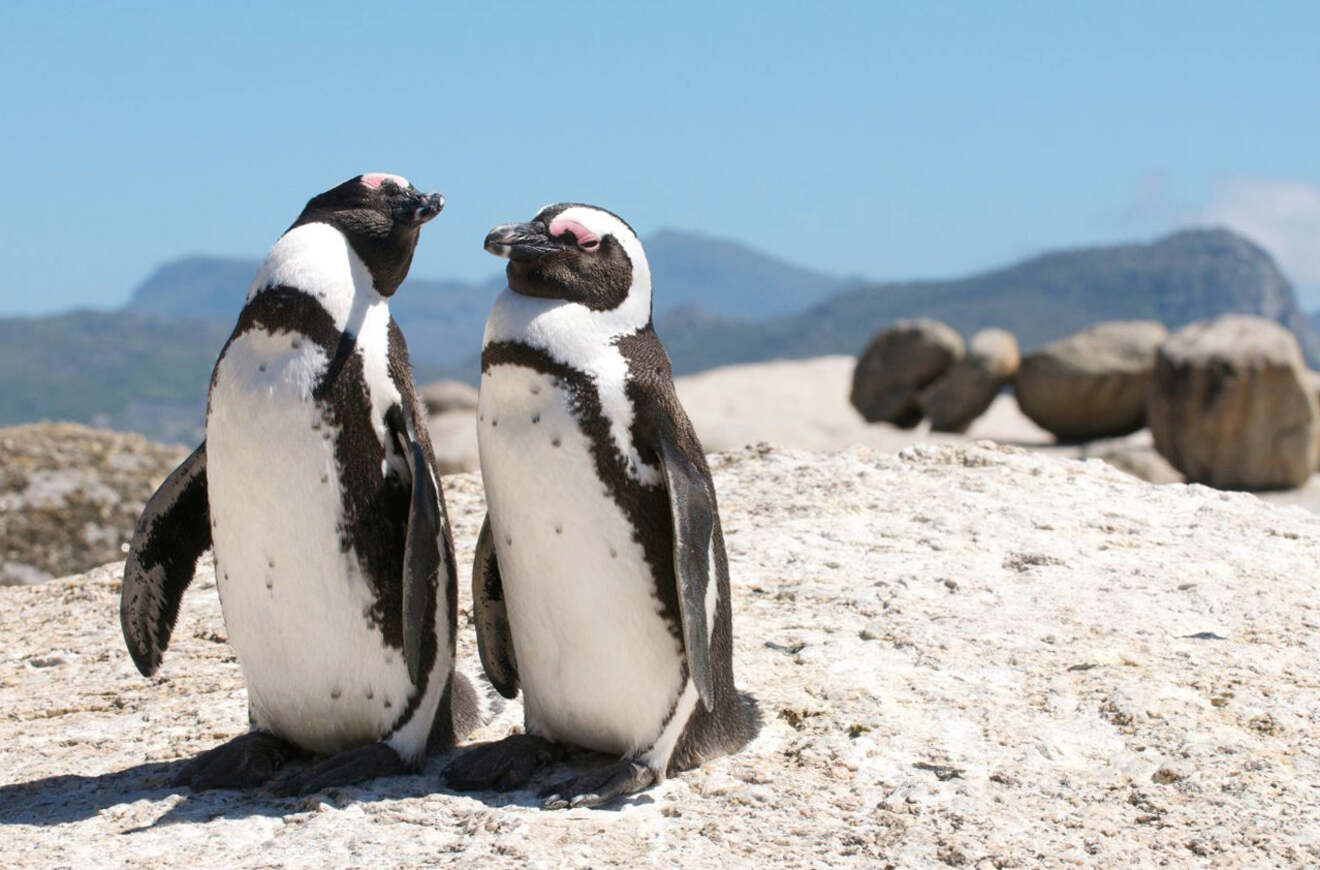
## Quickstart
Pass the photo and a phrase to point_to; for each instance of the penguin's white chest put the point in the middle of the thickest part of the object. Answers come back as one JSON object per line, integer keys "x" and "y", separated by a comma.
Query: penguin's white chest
{"x": 296, "y": 606}
{"x": 598, "y": 665}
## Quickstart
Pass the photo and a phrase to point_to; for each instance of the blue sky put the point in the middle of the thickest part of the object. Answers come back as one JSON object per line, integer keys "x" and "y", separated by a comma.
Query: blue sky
{"x": 884, "y": 140}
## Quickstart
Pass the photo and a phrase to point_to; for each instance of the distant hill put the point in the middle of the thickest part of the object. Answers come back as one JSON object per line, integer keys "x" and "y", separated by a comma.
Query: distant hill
{"x": 729, "y": 278}
{"x": 146, "y": 368}
{"x": 439, "y": 318}
{"x": 198, "y": 287}
{"x": 1187, "y": 276}
{"x": 122, "y": 370}
{"x": 443, "y": 319}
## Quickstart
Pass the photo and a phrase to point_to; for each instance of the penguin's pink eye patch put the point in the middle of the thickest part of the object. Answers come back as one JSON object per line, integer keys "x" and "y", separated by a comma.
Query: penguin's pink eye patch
{"x": 582, "y": 237}
{"x": 374, "y": 180}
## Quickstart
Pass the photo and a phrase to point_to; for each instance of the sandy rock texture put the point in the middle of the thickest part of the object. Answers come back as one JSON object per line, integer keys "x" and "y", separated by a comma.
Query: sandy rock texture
{"x": 454, "y": 437}
{"x": 797, "y": 404}
{"x": 441, "y": 396}
{"x": 965, "y": 655}
{"x": 70, "y": 496}
{"x": 451, "y": 410}
{"x": 804, "y": 404}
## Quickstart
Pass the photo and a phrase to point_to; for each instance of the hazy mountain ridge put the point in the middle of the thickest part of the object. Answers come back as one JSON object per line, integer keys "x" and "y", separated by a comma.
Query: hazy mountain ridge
{"x": 146, "y": 368}
{"x": 729, "y": 278}
{"x": 438, "y": 316}
{"x": 443, "y": 319}
{"x": 195, "y": 287}
{"x": 1189, "y": 275}
{"x": 120, "y": 369}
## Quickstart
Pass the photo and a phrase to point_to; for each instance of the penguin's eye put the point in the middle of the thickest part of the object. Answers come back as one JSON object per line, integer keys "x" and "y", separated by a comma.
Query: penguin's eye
{"x": 572, "y": 231}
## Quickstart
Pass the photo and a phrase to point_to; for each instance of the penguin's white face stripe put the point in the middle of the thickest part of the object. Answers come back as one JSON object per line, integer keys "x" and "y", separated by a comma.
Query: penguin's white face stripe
{"x": 585, "y": 339}
{"x": 376, "y": 179}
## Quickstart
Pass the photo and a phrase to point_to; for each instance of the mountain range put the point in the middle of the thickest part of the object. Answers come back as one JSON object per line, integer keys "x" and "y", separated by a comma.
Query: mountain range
{"x": 1189, "y": 275}
{"x": 145, "y": 367}
{"x": 443, "y": 319}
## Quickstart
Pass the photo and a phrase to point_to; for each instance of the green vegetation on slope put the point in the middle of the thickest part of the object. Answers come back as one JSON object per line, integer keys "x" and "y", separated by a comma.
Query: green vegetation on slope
{"x": 90, "y": 366}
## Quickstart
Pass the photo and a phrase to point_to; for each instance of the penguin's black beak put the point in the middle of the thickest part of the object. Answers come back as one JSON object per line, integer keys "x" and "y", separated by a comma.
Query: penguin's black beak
{"x": 432, "y": 204}
{"x": 521, "y": 242}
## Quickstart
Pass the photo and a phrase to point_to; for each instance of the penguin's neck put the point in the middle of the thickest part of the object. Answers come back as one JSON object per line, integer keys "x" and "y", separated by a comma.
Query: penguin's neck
{"x": 318, "y": 260}
{"x": 569, "y": 332}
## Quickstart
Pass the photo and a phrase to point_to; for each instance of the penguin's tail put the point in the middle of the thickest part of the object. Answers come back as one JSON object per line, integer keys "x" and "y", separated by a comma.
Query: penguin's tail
{"x": 473, "y": 703}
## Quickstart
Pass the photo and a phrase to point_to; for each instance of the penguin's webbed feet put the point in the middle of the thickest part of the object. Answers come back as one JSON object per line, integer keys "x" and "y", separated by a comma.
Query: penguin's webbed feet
{"x": 597, "y": 787}
{"x": 504, "y": 765}
{"x": 346, "y": 768}
{"x": 243, "y": 762}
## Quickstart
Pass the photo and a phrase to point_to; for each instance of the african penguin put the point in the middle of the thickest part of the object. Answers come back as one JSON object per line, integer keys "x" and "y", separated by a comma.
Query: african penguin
{"x": 316, "y": 486}
{"x": 600, "y": 585}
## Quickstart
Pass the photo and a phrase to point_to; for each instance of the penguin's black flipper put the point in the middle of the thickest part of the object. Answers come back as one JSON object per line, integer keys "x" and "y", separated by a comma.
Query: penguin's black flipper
{"x": 693, "y": 514}
{"x": 425, "y": 550}
{"x": 494, "y": 636}
{"x": 171, "y": 535}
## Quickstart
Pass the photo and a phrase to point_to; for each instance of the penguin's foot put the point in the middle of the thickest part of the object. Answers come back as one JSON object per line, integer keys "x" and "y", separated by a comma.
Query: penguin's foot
{"x": 600, "y": 786}
{"x": 504, "y": 765}
{"x": 346, "y": 768}
{"x": 243, "y": 762}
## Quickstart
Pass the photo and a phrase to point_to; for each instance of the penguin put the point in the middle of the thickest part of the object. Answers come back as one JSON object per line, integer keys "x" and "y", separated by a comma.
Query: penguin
{"x": 600, "y": 584}
{"x": 316, "y": 487}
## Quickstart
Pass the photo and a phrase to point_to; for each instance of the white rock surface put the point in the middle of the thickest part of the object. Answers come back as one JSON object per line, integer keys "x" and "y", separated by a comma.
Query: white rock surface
{"x": 965, "y": 655}
{"x": 447, "y": 395}
{"x": 804, "y": 404}
{"x": 791, "y": 403}
{"x": 454, "y": 437}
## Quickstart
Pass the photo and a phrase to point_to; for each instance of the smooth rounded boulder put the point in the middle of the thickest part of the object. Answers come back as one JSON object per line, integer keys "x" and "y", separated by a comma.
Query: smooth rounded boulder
{"x": 1092, "y": 384}
{"x": 1232, "y": 405}
{"x": 963, "y": 393}
{"x": 897, "y": 365}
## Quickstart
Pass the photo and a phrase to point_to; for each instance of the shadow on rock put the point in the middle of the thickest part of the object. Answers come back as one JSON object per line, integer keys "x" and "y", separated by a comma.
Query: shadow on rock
{"x": 58, "y": 800}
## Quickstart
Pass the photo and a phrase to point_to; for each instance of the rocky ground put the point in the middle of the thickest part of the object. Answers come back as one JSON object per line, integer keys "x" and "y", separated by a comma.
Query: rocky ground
{"x": 70, "y": 495}
{"x": 965, "y": 656}
{"x": 804, "y": 404}
{"x": 799, "y": 404}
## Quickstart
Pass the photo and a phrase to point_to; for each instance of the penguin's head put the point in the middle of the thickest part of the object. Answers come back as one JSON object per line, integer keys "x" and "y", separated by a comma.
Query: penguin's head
{"x": 577, "y": 253}
{"x": 381, "y": 215}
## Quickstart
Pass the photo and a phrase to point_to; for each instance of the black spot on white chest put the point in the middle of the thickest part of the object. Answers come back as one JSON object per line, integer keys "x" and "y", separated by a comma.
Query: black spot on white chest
{"x": 296, "y": 426}
{"x": 573, "y": 566}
